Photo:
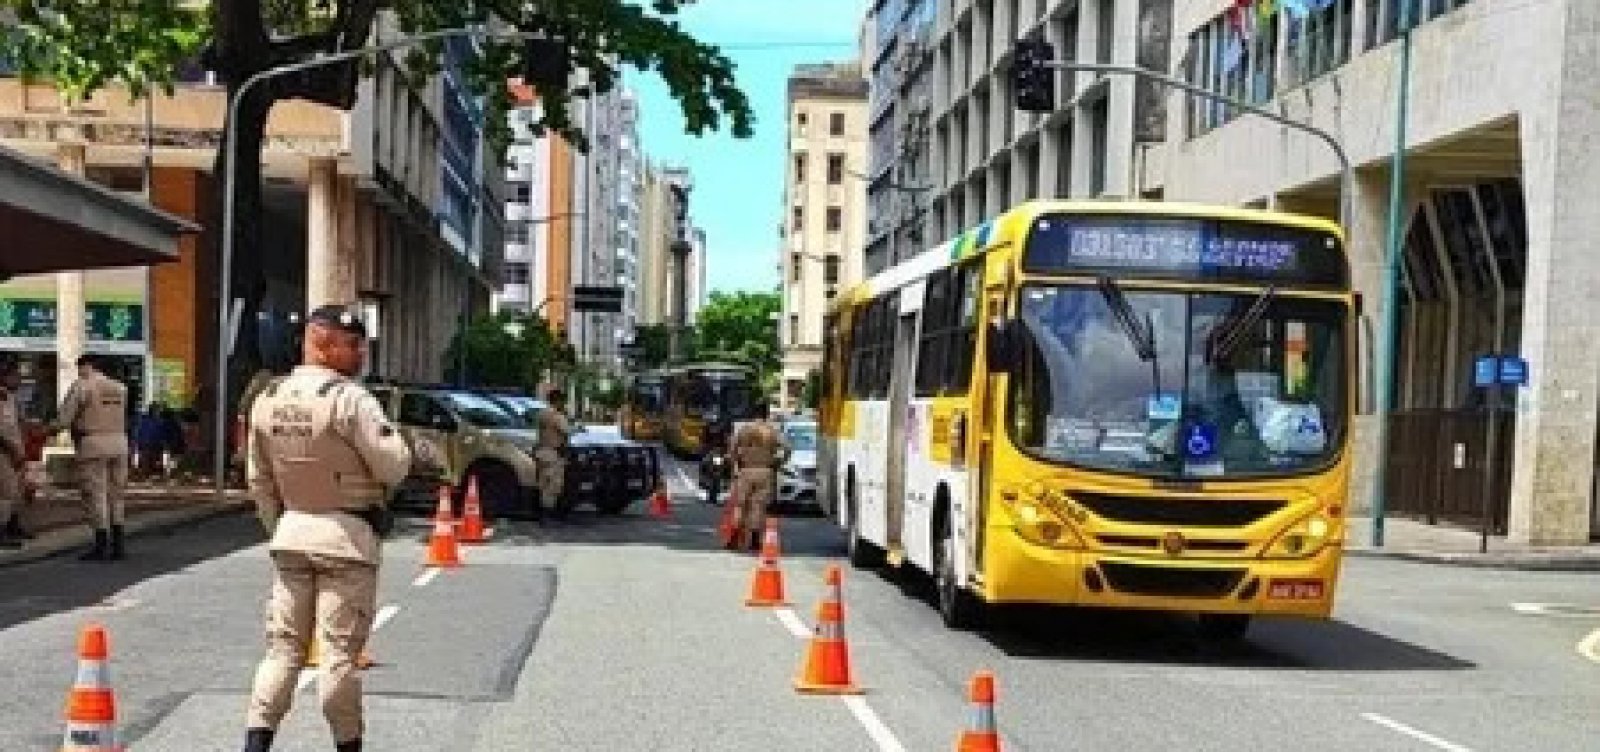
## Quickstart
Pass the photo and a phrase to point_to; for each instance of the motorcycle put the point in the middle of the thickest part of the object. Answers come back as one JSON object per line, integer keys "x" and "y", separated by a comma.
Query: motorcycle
{"x": 716, "y": 472}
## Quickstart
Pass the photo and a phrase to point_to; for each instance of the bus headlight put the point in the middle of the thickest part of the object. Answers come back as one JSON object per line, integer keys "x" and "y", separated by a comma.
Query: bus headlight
{"x": 1038, "y": 522}
{"x": 1302, "y": 539}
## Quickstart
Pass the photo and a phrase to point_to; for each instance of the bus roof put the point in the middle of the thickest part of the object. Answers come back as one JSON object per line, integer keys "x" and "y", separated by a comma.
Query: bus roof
{"x": 1008, "y": 225}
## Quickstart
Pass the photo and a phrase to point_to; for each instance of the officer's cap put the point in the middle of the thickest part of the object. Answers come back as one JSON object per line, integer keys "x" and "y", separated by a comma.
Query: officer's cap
{"x": 339, "y": 317}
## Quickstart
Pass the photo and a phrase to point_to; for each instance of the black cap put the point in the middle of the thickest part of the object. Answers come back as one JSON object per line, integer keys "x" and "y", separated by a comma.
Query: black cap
{"x": 339, "y": 317}
{"x": 87, "y": 360}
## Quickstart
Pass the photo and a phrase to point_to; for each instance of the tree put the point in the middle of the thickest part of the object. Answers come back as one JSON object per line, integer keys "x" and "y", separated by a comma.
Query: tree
{"x": 740, "y": 326}
{"x": 85, "y": 47}
{"x": 506, "y": 350}
{"x": 811, "y": 394}
{"x": 654, "y": 342}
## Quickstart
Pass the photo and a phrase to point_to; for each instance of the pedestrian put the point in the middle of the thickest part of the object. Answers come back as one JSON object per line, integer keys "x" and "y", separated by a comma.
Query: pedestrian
{"x": 322, "y": 460}
{"x": 13, "y": 457}
{"x": 551, "y": 453}
{"x": 149, "y": 442}
{"x": 758, "y": 450}
{"x": 95, "y": 412}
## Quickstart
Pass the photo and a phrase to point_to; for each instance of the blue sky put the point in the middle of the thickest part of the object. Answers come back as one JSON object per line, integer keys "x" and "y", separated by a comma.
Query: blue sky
{"x": 738, "y": 184}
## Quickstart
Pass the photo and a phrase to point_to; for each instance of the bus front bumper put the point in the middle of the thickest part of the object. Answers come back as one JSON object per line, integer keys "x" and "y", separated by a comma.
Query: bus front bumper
{"x": 1021, "y": 572}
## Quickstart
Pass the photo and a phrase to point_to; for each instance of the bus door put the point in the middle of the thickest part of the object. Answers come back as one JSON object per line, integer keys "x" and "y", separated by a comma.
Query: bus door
{"x": 900, "y": 382}
{"x": 986, "y": 401}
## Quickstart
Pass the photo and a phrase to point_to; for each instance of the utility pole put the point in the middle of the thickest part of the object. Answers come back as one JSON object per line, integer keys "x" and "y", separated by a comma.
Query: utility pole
{"x": 72, "y": 316}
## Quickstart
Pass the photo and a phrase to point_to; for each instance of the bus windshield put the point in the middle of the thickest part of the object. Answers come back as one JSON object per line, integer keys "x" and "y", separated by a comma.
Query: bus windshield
{"x": 1179, "y": 384}
{"x": 720, "y": 398}
{"x": 647, "y": 397}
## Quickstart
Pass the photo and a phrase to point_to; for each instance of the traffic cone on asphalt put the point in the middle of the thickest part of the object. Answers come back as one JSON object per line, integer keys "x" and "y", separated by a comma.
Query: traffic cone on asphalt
{"x": 981, "y": 734}
{"x": 314, "y": 655}
{"x": 660, "y": 504}
{"x": 92, "y": 706}
{"x": 472, "y": 514}
{"x": 766, "y": 585}
{"x": 442, "y": 549}
{"x": 826, "y": 670}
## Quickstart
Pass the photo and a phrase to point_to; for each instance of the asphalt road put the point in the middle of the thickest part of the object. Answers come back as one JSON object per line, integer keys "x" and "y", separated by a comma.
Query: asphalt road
{"x": 630, "y": 634}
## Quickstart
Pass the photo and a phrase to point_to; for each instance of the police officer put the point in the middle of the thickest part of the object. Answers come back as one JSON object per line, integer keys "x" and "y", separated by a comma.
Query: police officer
{"x": 95, "y": 411}
{"x": 13, "y": 457}
{"x": 551, "y": 454}
{"x": 322, "y": 459}
{"x": 758, "y": 450}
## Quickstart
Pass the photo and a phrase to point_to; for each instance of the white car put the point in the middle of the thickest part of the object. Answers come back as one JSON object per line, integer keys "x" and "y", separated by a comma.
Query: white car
{"x": 797, "y": 479}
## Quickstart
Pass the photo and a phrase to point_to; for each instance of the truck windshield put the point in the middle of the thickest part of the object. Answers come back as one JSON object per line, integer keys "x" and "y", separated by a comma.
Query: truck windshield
{"x": 1227, "y": 385}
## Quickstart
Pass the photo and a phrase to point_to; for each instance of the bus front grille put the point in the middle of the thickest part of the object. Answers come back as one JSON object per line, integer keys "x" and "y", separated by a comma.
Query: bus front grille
{"x": 1177, "y": 512}
{"x": 1152, "y": 543}
{"x": 1137, "y": 579}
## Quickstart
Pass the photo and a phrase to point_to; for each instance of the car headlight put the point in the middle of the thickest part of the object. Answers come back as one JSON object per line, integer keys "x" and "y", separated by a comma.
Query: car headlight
{"x": 1302, "y": 539}
{"x": 1037, "y": 520}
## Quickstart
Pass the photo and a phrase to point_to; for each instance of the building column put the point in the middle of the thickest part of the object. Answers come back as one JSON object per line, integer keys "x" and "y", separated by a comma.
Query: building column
{"x": 331, "y": 257}
{"x": 1554, "y": 456}
{"x": 72, "y": 315}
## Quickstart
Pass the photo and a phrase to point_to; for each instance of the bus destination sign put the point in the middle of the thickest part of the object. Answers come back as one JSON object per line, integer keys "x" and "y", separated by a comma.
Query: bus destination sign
{"x": 1184, "y": 248}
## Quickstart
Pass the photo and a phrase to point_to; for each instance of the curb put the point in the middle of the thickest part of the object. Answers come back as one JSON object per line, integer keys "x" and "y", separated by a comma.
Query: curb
{"x": 54, "y": 543}
{"x": 1526, "y": 562}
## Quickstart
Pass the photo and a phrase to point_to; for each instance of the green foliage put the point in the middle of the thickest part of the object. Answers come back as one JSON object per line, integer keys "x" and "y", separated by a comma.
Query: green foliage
{"x": 811, "y": 394}
{"x": 86, "y": 45}
{"x": 508, "y": 350}
{"x": 740, "y": 326}
{"x": 655, "y": 343}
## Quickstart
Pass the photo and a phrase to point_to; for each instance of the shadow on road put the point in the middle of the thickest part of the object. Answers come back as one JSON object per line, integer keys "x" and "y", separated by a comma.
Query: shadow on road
{"x": 62, "y": 583}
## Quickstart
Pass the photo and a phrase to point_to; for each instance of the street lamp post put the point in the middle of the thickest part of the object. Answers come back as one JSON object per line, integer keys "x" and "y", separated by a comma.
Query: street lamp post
{"x": 230, "y": 172}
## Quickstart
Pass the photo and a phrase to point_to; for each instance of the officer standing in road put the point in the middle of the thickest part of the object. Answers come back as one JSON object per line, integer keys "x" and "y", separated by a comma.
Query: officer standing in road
{"x": 95, "y": 411}
{"x": 551, "y": 454}
{"x": 13, "y": 457}
{"x": 758, "y": 451}
{"x": 322, "y": 460}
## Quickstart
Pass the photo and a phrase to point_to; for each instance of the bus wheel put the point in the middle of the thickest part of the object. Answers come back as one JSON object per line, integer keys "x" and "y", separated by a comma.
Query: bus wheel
{"x": 958, "y": 607}
{"x": 1224, "y": 627}
{"x": 863, "y": 555}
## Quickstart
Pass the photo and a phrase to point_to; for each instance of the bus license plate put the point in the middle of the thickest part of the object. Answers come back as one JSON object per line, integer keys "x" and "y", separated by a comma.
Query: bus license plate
{"x": 1295, "y": 590}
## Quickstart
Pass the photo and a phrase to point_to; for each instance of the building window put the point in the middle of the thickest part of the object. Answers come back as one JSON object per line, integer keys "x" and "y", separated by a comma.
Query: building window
{"x": 836, "y": 124}
{"x": 799, "y": 218}
{"x": 835, "y": 219}
{"x": 794, "y": 267}
{"x": 830, "y": 270}
{"x": 516, "y": 274}
{"x": 517, "y": 233}
{"x": 835, "y": 169}
{"x": 800, "y": 167}
{"x": 794, "y": 328}
{"x": 800, "y": 123}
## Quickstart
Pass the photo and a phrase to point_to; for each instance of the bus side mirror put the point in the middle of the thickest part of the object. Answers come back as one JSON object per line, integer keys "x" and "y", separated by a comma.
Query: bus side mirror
{"x": 1000, "y": 346}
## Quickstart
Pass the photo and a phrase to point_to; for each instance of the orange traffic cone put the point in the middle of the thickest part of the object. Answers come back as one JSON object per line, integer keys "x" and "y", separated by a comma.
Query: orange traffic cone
{"x": 766, "y": 585}
{"x": 827, "y": 666}
{"x": 314, "y": 655}
{"x": 981, "y": 734}
{"x": 660, "y": 504}
{"x": 92, "y": 706}
{"x": 442, "y": 549}
{"x": 472, "y": 514}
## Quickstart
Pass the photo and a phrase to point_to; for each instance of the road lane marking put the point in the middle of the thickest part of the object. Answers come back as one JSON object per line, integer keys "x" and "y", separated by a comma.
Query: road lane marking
{"x": 426, "y": 577}
{"x": 1558, "y": 610}
{"x": 1589, "y": 647}
{"x": 789, "y": 619}
{"x": 308, "y": 675}
{"x": 1418, "y": 734}
{"x": 881, "y": 735}
{"x": 683, "y": 478}
{"x": 865, "y": 715}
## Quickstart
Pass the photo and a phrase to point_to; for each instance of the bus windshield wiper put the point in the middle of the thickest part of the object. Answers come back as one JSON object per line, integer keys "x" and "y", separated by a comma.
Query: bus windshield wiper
{"x": 1231, "y": 332}
{"x": 1141, "y": 335}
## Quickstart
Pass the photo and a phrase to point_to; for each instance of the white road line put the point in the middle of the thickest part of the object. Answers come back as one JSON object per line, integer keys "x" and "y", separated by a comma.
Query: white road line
{"x": 1589, "y": 647}
{"x": 683, "y": 477}
{"x": 488, "y": 533}
{"x": 789, "y": 619}
{"x": 308, "y": 675}
{"x": 426, "y": 577}
{"x": 865, "y": 715}
{"x": 1419, "y": 735}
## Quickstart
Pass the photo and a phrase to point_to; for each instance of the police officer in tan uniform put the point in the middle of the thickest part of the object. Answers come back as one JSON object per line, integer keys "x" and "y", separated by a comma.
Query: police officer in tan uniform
{"x": 323, "y": 459}
{"x": 95, "y": 411}
{"x": 551, "y": 453}
{"x": 13, "y": 457}
{"x": 758, "y": 449}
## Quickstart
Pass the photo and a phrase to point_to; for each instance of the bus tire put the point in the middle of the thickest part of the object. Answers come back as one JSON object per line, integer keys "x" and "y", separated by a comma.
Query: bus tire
{"x": 863, "y": 555}
{"x": 1224, "y": 627}
{"x": 958, "y": 607}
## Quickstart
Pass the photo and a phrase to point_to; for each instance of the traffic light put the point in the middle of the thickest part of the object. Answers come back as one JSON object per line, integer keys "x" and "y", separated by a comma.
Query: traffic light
{"x": 1032, "y": 77}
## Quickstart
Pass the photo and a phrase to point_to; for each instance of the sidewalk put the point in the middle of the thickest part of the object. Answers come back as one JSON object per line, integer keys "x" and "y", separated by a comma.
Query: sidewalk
{"x": 1445, "y": 544}
{"x": 59, "y": 520}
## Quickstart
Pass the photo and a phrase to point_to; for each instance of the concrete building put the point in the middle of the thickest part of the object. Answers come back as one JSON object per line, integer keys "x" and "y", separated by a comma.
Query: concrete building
{"x": 600, "y": 188}
{"x": 825, "y": 210}
{"x": 1498, "y": 219}
{"x": 985, "y": 154}
{"x": 631, "y": 164}
{"x": 898, "y": 39}
{"x": 535, "y": 276}
{"x": 656, "y": 209}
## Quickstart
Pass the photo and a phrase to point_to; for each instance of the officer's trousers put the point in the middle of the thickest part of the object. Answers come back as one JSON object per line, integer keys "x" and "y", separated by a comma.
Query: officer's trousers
{"x": 10, "y": 490}
{"x": 103, "y": 480}
{"x": 552, "y": 468}
{"x": 753, "y": 487}
{"x": 335, "y": 599}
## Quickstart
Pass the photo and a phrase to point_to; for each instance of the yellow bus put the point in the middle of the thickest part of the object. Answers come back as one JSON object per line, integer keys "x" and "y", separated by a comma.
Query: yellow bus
{"x": 700, "y": 394}
{"x": 1137, "y": 405}
{"x": 644, "y": 407}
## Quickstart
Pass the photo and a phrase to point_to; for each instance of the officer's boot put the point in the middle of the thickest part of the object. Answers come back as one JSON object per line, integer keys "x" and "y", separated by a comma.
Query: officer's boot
{"x": 14, "y": 527}
{"x": 118, "y": 553}
{"x": 258, "y": 740}
{"x": 354, "y": 745}
{"x": 98, "y": 552}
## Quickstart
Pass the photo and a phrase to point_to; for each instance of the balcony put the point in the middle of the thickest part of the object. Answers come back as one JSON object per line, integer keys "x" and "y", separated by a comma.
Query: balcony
{"x": 519, "y": 253}
{"x": 517, "y": 211}
{"x": 519, "y": 172}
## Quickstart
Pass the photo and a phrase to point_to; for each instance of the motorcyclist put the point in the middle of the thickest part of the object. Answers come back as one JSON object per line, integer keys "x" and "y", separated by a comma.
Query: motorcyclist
{"x": 716, "y": 469}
